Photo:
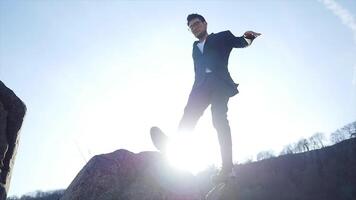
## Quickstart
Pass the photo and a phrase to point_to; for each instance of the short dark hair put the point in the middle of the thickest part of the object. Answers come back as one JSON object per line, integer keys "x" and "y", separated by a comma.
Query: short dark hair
{"x": 193, "y": 16}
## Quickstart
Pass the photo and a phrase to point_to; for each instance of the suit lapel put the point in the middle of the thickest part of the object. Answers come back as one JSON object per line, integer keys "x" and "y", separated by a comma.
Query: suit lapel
{"x": 196, "y": 49}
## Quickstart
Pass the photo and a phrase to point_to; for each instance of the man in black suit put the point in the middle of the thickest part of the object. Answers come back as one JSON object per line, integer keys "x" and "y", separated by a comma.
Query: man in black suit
{"x": 213, "y": 84}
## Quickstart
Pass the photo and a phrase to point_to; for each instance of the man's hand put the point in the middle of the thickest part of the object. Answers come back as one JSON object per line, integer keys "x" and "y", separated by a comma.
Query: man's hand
{"x": 251, "y": 35}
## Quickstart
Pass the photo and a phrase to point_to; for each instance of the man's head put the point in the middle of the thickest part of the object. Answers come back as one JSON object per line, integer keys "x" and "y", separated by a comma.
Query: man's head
{"x": 197, "y": 25}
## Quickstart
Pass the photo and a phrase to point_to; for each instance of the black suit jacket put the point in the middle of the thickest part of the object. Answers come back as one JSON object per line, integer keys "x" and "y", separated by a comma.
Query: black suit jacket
{"x": 215, "y": 56}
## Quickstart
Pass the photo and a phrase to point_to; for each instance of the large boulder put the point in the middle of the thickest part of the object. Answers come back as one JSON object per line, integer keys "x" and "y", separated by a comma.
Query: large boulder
{"x": 12, "y": 112}
{"x": 126, "y": 175}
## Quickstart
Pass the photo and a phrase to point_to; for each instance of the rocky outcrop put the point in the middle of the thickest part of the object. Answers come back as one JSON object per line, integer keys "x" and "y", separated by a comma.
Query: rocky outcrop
{"x": 328, "y": 173}
{"x": 126, "y": 175}
{"x": 12, "y": 112}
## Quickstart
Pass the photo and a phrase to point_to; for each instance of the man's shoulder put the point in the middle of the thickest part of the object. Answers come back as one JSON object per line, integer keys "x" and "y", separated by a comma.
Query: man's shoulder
{"x": 223, "y": 33}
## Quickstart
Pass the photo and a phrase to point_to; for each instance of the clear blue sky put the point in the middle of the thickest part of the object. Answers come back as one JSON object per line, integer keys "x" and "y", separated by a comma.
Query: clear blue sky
{"x": 95, "y": 75}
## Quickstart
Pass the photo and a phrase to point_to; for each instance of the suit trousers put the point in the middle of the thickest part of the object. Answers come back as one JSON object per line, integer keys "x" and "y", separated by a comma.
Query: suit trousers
{"x": 212, "y": 91}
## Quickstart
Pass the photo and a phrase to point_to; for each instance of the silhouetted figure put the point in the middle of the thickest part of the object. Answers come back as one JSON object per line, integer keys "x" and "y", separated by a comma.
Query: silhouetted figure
{"x": 213, "y": 84}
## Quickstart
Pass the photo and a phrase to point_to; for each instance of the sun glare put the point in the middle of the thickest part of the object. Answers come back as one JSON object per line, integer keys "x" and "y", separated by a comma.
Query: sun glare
{"x": 192, "y": 152}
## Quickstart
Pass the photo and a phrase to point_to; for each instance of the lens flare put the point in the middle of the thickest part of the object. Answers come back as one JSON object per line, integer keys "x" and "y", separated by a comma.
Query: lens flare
{"x": 192, "y": 152}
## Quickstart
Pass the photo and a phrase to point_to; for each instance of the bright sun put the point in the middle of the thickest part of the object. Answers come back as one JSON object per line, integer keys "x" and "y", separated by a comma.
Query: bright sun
{"x": 193, "y": 152}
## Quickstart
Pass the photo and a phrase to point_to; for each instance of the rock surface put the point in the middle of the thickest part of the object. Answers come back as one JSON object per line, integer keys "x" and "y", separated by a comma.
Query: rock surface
{"x": 12, "y": 112}
{"x": 126, "y": 175}
{"x": 328, "y": 174}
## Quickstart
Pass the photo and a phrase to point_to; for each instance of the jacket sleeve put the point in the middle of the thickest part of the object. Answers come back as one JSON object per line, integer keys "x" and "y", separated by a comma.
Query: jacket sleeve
{"x": 236, "y": 42}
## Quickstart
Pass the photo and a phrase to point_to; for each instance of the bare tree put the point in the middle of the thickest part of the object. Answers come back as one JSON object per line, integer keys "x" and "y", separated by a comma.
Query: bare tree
{"x": 350, "y": 129}
{"x": 338, "y": 136}
{"x": 264, "y": 155}
{"x": 40, "y": 195}
{"x": 288, "y": 149}
{"x": 302, "y": 146}
{"x": 317, "y": 140}
{"x": 346, "y": 132}
{"x": 248, "y": 160}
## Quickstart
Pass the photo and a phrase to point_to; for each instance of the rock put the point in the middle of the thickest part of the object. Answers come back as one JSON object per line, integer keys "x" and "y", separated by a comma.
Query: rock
{"x": 126, "y": 175}
{"x": 12, "y": 112}
{"x": 3, "y": 193}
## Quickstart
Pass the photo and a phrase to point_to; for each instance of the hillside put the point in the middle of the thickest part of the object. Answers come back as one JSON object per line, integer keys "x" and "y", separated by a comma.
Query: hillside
{"x": 327, "y": 173}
